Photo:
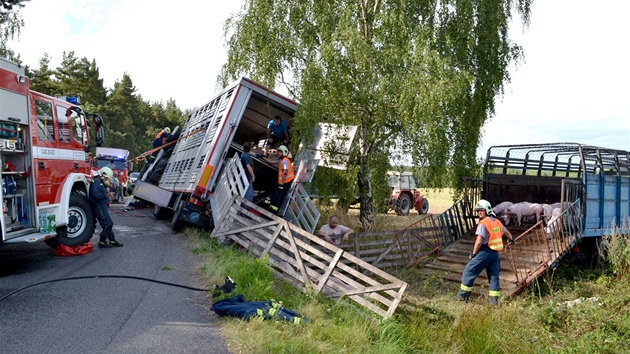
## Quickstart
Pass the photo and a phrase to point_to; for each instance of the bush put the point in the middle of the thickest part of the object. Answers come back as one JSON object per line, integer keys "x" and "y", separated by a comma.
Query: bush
{"x": 615, "y": 249}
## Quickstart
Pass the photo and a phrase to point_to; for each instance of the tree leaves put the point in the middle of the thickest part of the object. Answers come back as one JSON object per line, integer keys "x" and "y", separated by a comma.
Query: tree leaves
{"x": 419, "y": 77}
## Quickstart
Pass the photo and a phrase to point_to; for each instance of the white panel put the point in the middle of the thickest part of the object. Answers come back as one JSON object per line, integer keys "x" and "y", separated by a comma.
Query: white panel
{"x": 13, "y": 105}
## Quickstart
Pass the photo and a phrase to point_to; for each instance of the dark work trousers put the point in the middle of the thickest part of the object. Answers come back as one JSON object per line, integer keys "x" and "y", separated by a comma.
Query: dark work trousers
{"x": 101, "y": 212}
{"x": 278, "y": 196}
{"x": 485, "y": 259}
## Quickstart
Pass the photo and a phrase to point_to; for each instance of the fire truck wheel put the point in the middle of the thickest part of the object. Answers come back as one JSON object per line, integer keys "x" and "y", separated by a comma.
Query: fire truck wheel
{"x": 403, "y": 204}
{"x": 81, "y": 223}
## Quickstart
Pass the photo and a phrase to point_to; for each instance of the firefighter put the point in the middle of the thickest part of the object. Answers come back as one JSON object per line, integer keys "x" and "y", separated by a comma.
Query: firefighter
{"x": 285, "y": 178}
{"x": 485, "y": 255}
{"x": 99, "y": 201}
{"x": 159, "y": 140}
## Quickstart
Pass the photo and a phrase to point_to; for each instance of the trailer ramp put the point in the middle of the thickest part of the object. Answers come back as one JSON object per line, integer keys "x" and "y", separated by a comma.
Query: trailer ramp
{"x": 536, "y": 249}
{"x": 306, "y": 261}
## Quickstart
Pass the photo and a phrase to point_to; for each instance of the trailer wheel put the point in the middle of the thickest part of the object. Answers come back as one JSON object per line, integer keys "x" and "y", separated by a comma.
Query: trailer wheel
{"x": 424, "y": 206}
{"x": 159, "y": 213}
{"x": 403, "y": 205}
{"x": 176, "y": 224}
{"x": 81, "y": 223}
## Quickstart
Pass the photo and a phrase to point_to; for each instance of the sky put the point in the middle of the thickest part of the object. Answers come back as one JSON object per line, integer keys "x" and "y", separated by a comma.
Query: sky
{"x": 572, "y": 86}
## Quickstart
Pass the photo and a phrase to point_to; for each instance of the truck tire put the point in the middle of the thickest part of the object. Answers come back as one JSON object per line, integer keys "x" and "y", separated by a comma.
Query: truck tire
{"x": 81, "y": 223}
{"x": 159, "y": 213}
{"x": 403, "y": 204}
{"x": 176, "y": 224}
{"x": 424, "y": 206}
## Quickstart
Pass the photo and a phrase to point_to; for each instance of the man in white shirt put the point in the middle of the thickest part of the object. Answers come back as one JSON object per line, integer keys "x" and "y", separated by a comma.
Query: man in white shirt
{"x": 334, "y": 232}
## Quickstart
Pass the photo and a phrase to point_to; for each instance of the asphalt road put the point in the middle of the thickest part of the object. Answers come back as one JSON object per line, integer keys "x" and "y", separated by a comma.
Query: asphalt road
{"x": 104, "y": 315}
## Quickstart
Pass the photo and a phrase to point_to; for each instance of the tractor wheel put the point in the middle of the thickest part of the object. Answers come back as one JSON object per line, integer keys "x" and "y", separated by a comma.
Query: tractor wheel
{"x": 424, "y": 206}
{"x": 403, "y": 205}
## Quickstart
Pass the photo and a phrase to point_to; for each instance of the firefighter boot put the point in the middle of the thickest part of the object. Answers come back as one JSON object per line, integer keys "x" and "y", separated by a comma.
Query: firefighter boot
{"x": 102, "y": 243}
{"x": 113, "y": 242}
{"x": 493, "y": 300}
{"x": 461, "y": 296}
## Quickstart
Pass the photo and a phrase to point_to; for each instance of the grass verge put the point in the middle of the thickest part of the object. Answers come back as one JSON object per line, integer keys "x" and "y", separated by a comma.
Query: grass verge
{"x": 569, "y": 310}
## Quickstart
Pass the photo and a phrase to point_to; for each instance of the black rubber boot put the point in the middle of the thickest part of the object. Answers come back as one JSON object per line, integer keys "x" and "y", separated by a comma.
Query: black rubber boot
{"x": 461, "y": 296}
{"x": 102, "y": 243}
{"x": 113, "y": 242}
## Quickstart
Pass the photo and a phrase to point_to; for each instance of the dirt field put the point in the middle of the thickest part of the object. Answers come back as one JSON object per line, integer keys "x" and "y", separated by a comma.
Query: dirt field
{"x": 439, "y": 201}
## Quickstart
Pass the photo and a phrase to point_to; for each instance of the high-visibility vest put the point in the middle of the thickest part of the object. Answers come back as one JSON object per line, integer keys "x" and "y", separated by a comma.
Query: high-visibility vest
{"x": 288, "y": 176}
{"x": 495, "y": 230}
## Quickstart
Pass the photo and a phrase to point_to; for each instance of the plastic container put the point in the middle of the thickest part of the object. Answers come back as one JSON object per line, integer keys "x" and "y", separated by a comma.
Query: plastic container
{"x": 43, "y": 223}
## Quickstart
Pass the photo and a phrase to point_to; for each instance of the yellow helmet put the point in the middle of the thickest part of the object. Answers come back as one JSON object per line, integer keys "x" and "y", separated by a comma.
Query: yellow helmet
{"x": 106, "y": 172}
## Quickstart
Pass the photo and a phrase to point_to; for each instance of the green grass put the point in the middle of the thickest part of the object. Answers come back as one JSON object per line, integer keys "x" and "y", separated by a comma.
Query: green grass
{"x": 538, "y": 321}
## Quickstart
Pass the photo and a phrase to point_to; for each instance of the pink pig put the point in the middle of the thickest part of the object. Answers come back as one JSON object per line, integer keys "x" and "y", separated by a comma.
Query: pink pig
{"x": 519, "y": 210}
{"x": 499, "y": 209}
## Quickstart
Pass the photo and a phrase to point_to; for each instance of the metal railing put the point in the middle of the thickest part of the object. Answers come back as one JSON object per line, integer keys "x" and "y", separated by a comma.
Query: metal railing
{"x": 541, "y": 247}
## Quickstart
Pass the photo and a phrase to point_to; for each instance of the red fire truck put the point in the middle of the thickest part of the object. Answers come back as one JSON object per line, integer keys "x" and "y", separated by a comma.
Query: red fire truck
{"x": 45, "y": 159}
{"x": 117, "y": 160}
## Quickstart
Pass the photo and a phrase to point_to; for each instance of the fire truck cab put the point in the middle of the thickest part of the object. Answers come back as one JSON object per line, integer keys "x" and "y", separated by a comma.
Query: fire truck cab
{"x": 117, "y": 160}
{"x": 45, "y": 161}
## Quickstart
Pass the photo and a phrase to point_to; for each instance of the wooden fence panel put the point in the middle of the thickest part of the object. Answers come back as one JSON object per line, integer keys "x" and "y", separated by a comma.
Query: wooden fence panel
{"x": 306, "y": 261}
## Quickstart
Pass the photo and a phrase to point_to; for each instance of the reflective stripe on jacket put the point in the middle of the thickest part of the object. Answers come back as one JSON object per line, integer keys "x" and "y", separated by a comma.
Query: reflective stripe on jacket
{"x": 495, "y": 230}
{"x": 288, "y": 176}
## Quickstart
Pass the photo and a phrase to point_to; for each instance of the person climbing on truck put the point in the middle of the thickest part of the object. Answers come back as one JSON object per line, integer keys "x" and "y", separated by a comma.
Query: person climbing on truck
{"x": 160, "y": 139}
{"x": 485, "y": 254}
{"x": 285, "y": 178}
{"x": 277, "y": 134}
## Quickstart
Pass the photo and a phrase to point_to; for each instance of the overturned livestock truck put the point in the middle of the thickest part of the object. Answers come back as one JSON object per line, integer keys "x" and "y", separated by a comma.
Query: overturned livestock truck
{"x": 594, "y": 182}
{"x": 183, "y": 179}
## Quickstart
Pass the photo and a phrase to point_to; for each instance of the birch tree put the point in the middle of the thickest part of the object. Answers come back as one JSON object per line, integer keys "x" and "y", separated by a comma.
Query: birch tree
{"x": 418, "y": 77}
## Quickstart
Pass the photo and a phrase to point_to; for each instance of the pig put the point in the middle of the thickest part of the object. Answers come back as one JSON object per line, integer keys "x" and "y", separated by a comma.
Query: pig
{"x": 499, "y": 209}
{"x": 523, "y": 209}
{"x": 555, "y": 214}
{"x": 538, "y": 211}
{"x": 549, "y": 208}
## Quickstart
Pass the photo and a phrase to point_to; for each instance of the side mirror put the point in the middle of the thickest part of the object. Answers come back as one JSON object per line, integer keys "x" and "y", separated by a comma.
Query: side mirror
{"x": 99, "y": 136}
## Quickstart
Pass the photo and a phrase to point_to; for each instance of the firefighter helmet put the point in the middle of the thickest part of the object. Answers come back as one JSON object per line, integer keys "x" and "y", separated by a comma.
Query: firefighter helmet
{"x": 284, "y": 150}
{"x": 106, "y": 172}
{"x": 167, "y": 130}
{"x": 484, "y": 205}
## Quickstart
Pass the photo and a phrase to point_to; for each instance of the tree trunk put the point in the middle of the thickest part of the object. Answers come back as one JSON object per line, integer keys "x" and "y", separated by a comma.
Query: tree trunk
{"x": 364, "y": 180}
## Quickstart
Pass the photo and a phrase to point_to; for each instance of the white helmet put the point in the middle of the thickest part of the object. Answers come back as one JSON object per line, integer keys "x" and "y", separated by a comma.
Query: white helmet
{"x": 167, "y": 130}
{"x": 284, "y": 150}
{"x": 483, "y": 204}
{"x": 106, "y": 172}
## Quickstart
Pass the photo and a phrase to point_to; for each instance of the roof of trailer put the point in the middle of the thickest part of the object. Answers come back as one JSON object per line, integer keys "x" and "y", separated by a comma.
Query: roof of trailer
{"x": 565, "y": 156}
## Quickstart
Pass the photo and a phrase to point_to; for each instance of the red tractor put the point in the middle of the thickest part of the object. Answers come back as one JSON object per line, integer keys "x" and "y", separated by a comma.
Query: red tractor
{"x": 404, "y": 194}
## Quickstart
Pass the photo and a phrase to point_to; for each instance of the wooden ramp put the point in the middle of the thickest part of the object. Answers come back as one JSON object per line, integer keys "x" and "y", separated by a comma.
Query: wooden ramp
{"x": 536, "y": 249}
{"x": 306, "y": 261}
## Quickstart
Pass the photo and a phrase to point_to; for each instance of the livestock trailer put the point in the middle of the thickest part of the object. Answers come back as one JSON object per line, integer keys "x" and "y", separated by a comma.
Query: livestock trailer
{"x": 597, "y": 177}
